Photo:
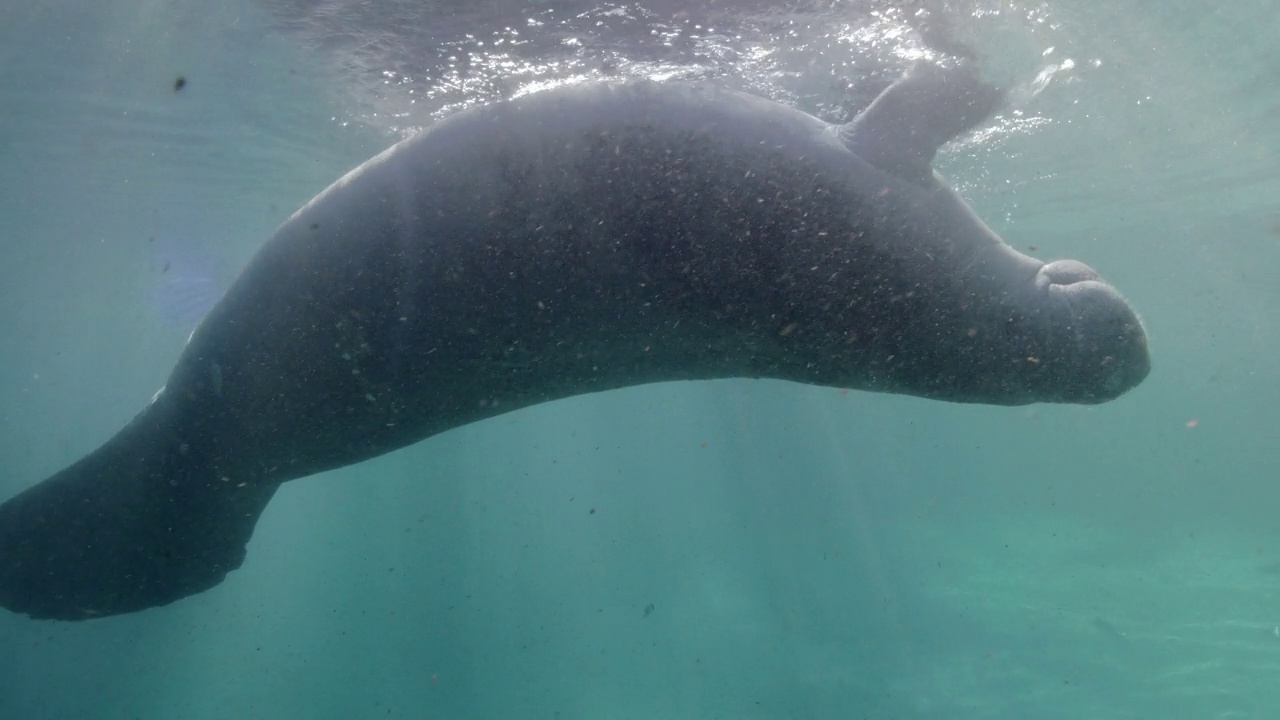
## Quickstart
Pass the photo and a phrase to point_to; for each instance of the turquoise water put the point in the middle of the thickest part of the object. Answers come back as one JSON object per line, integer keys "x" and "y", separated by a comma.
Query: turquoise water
{"x": 757, "y": 549}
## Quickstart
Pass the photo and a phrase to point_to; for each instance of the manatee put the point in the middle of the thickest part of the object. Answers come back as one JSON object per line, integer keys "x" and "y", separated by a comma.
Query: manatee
{"x": 572, "y": 241}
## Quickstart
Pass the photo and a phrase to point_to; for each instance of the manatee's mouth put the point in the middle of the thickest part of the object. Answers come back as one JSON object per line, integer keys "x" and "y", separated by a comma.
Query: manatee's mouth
{"x": 1102, "y": 341}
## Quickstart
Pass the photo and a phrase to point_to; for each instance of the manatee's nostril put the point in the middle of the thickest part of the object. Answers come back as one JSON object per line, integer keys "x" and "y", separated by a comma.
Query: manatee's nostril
{"x": 1067, "y": 272}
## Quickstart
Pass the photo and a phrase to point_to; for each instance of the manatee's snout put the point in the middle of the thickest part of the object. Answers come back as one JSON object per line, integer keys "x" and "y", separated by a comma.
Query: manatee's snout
{"x": 1102, "y": 342}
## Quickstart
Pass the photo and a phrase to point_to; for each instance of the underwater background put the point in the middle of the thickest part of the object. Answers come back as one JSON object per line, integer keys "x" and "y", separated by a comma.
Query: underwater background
{"x": 735, "y": 549}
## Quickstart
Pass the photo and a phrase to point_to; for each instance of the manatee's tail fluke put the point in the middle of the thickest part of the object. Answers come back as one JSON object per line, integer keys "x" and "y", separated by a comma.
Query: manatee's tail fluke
{"x": 142, "y": 521}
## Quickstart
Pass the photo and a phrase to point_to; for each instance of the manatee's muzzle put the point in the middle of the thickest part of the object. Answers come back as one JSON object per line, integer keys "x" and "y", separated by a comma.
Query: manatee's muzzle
{"x": 1102, "y": 344}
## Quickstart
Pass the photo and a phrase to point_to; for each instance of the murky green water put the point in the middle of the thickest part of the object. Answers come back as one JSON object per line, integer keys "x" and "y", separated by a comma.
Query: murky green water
{"x": 722, "y": 550}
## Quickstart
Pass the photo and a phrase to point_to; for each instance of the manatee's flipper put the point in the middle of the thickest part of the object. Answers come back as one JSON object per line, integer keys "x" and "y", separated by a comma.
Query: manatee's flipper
{"x": 934, "y": 25}
{"x": 903, "y": 128}
{"x": 144, "y": 520}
